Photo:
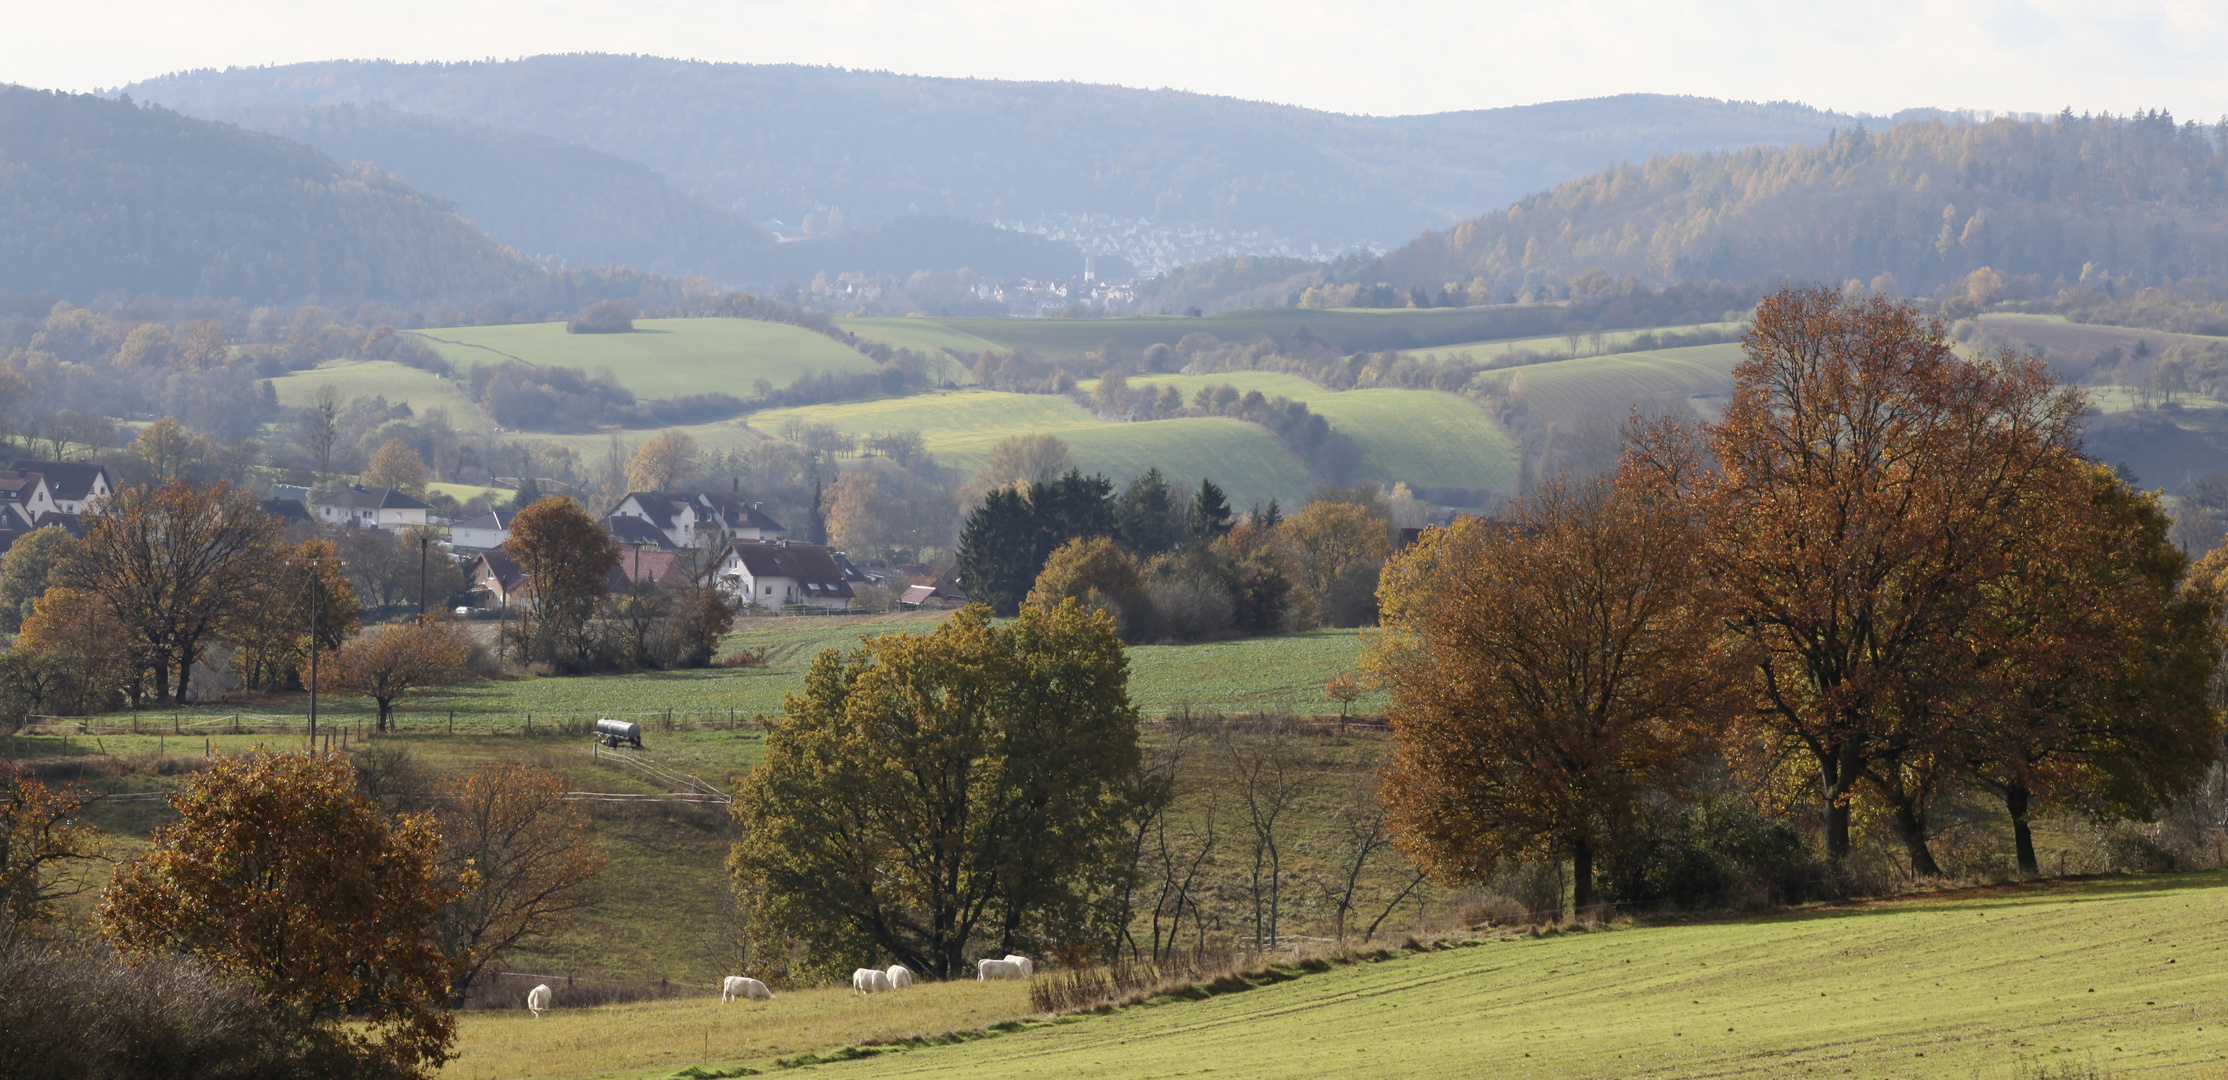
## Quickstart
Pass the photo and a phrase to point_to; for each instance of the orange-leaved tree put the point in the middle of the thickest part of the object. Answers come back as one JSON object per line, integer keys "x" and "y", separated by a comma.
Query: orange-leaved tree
{"x": 272, "y": 632}
{"x": 43, "y": 832}
{"x": 1549, "y": 668}
{"x": 567, "y": 560}
{"x": 1869, "y": 488}
{"x": 172, "y": 564}
{"x": 532, "y": 864}
{"x": 278, "y": 872}
{"x": 387, "y": 662}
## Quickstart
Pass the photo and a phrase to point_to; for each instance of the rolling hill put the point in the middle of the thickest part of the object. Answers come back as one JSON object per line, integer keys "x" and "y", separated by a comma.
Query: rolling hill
{"x": 101, "y": 195}
{"x": 2043, "y": 203}
{"x": 662, "y": 357}
{"x": 784, "y": 141}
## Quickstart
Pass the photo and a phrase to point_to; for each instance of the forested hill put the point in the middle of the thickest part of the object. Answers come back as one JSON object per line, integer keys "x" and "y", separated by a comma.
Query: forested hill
{"x": 541, "y": 196}
{"x": 782, "y": 141}
{"x": 2138, "y": 198}
{"x": 98, "y": 195}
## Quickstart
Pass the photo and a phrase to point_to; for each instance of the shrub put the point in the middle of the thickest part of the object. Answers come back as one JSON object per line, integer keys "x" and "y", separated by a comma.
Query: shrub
{"x": 604, "y": 317}
{"x": 1715, "y": 853}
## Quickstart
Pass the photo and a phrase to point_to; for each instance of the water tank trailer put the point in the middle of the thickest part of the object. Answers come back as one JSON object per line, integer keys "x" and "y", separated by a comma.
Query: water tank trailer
{"x": 611, "y": 733}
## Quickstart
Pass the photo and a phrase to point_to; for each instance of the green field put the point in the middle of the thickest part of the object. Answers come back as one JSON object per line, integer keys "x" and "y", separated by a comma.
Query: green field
{"x": 662, "y": 358}
{"x": 922, "y": 335}
{"x": 1565, "y": 390}
{"x": 2106, "y": 977}
{"x": 385, "y": 378}
{"x": 961, "y": 427}
{"x": 1558, "y": 343}
{"x": 1347, "y": 330}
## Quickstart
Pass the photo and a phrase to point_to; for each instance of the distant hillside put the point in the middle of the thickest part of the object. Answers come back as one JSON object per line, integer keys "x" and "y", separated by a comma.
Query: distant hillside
{"x": 107, "y": 196}
{"x": 2061, "y": 200}
{"x": 783, "y": 141}
{"x": 542, "y": 196}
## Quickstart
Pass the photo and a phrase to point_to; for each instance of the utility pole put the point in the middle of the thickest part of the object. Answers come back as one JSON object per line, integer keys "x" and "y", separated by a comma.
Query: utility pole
{"x": 314, "y": 593}
{"x": 423, "y": 537}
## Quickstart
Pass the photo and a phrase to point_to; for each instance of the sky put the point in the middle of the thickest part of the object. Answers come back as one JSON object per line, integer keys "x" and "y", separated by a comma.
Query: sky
{"x": 1393, "y": 58}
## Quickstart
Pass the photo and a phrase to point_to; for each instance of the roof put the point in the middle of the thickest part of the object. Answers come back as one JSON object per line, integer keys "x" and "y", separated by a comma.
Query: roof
{"x": 359, "y": 497}
{"x": 809, "y": 565}
{"x": 918, "y": 594}
{"x": 287, "y": 510}
{"x": 627, "y": 529}
{"x": 727, "y": 507}
{"x": 656, "y": 567}
{"x": 70, "y": 481}
{"x": 501, "y": 566}
{"x": 493, "y": 519}
{"x": 20, "y": 485}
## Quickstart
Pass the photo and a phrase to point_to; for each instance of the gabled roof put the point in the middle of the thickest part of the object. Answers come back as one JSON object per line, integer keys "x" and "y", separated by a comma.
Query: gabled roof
{"x": 359, "y": 497}
{"x": 70, "y": 481}
{"x": 809, "y": 565}
{"x": 18, "y": 486}
{"x": 494, "y": 519}
{"x": 628, "y": 529}
{"x": 288, "y": 511}
{"x": 656, "y": 567}
{"x": 729, "y": 508}
{"x": 918, "y": 594}
{"x": 500, "y": 566}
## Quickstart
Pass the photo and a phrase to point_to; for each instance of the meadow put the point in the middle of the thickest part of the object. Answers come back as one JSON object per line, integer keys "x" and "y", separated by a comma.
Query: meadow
{"x": 1560, "y": 343}
{"x": 1346, "y": 329}
{"x": 662, "y": 358}
{"x": 1565, "y": 391}
{"x": 2109, "y": 976}
{"x": 383, "y": 378}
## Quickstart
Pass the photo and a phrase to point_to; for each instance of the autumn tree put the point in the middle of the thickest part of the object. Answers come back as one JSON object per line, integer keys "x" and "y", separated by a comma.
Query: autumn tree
{"x": 663, "y": 462}
{"x": 1869, "y": 488}
{"x": 317, "y": 426}
{"x": 1008, "y": 537}
{"x": 43, "y": 835}
{"x": 83, "y": 656}
{"x": 1338, "y": 547}
{"x": 277, "y": 872}
{"x": 272, "y": 630}
{"x": 1036, "y": 458}
{"x": 171, "y": 564}
{"x": 567, "y": 560}
{"x": 529, "y": 863}
{"x": 2099, "y": 654}
{"x": 387, "y": 662}
{"x": 1097, "y": 574}
{"x": 856, "y": 519}
{"x": 164, "y": 451}
{"x": 396, "y": 466}
{"x": 929, "y": 795}
{"x": 1549, "y": 668}
{"x": 25, "y": 570}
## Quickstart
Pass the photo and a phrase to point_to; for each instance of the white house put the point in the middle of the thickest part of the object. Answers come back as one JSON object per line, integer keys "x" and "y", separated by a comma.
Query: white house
{"x": 702, "y": 518}
{"x": 778, "y": 574}
{"x": 75, "y": 486}
{"x": 28, "y": 493}
{"x": 369, "y": 508}
{"x": 486, "y": 532}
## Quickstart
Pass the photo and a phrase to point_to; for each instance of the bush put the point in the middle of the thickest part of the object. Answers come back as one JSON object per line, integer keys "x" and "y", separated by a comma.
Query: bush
{"x": 1715, "y": 853}
{"x": 604, "y": 317}
{"x": 77, "y": 1011}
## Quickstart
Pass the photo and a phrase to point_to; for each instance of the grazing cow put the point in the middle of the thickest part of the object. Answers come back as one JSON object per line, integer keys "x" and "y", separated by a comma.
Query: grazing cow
{"x": 537, "y": 1000}
{"x": 1028, "y": 966}
{"x": 746, "y": 988}
{"x": 986, "y": 970}
{"x": 869, "y": 981}
{"x": 901, "y": 977}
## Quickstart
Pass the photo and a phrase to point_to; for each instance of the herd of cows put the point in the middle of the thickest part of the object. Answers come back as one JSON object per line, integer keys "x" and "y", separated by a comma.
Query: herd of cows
{"x": 863, "y": 981}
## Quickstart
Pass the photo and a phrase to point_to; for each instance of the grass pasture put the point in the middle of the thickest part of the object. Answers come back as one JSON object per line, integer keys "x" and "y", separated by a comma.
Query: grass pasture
{"x": 1566, "y": 390}
{"x": 961, "y": 427}
{"x": 1554, "y": 343}
{"x": 2103, "y": 977}
{"x": 662, "y": 358}
{"x": 385, "y": 378}
{"x": 1346, "y": 329}
{"x": 921, "y": 335}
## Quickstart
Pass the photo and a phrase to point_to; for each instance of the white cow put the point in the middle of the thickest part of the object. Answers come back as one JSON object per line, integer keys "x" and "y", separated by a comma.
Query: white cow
{"x": 1028, "y": 966}
{"x": 537, "y": 1000}
{"x": 869, "y": 981}
{"x": 986, "y": 970}
{"x": 746, "y": 988}
{"x": 901, "y": 977}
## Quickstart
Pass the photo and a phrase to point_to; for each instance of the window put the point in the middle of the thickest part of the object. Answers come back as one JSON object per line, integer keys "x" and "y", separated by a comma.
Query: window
{"x": 769, "y": 590}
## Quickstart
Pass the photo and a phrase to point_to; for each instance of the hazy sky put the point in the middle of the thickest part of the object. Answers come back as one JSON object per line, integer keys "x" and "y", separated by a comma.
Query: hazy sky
{"x": 1346, "y": 55}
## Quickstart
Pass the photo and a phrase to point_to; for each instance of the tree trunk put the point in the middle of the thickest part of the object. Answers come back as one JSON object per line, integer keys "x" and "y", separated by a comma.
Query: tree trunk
{"x": 384, "y": 705}
{"x": 1581, "y": 878}
{"x": 2016, "y": 799}
{"x": 185, "y": 672}
{"x": 1910, "y": 827}
{"x": 1831, "y": 770}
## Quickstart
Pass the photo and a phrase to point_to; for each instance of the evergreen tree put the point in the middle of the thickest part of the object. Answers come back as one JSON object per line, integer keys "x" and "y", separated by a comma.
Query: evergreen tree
{"x": 527, "y": 495}
{"x": 1210, "y": 512}
{"x": 1146, "y": 519}
{"x": 1008, "y": 537}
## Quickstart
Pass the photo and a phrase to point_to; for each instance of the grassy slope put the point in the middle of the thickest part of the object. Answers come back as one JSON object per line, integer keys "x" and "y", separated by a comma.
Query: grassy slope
{"x": 925, "y": 335}
{"x": 1556, "y": 343}
{"x": 1355, "y": 328}
{"x": 1564, "y": 390}
{"x": 663, "y": 357}
{"x": 962, "y": 426}
{"x": 395, "y": 382}
{"x": 2063, "y": 974}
